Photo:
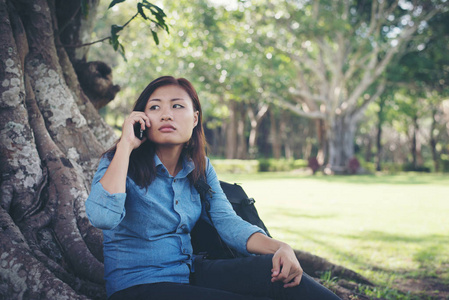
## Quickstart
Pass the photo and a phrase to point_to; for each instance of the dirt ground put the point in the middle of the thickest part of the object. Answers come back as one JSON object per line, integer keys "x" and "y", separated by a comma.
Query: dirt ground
{"x": 427, "y": 288}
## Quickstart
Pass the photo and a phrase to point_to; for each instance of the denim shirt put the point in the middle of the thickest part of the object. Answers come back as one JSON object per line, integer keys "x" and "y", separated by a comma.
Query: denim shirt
{"x": 146, "y": 231}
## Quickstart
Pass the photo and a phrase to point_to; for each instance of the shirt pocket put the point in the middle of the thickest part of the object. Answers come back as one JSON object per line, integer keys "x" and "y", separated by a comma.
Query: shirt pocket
{"x": 194, "y": 195}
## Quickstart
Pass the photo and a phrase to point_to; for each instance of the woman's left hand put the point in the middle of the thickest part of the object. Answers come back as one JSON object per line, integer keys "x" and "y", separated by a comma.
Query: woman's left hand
{"x": 286, "y": 267}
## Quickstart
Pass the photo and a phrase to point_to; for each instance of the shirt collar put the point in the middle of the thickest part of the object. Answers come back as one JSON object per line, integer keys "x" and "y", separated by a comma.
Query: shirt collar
{"x": 187, "y": 167}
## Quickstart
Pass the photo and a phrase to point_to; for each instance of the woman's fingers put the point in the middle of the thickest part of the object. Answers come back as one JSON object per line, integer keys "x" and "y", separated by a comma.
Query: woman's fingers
{"x": 286, "y": 267}
{"x": 296, "y": 280}
{"x": 128, "y": 134}
{"x": 141, "y": 117}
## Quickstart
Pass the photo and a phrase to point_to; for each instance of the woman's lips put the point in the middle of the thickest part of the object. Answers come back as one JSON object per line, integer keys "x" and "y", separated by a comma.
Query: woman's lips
{"x": 167, "y": 128}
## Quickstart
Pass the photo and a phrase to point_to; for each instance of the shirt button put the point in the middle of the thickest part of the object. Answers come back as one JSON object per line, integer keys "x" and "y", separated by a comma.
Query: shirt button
{"x": 174, "y": 180}
{"x": 177, "y": 202}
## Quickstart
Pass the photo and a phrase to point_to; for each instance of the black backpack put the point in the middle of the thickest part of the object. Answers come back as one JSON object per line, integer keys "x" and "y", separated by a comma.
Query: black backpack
{"x": 205, "y": 239}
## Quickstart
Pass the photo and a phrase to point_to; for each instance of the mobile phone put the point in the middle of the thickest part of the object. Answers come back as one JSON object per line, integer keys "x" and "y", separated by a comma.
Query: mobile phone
{"x": 138, "y": 131}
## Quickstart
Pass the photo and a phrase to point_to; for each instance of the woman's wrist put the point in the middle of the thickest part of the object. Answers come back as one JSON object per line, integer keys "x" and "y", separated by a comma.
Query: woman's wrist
{"x": 259, "y": 243}
{"x": 124, "y": 147}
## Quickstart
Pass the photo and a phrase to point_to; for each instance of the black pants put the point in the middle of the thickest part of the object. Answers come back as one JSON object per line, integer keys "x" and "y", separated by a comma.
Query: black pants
{"x": 231, "y": 279}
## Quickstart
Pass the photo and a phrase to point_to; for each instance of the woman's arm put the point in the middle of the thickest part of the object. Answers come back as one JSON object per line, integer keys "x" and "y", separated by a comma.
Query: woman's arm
{"x": 286, "y": 267}
{"x": 105, "y": 206}
{"x": 114, "y": 179}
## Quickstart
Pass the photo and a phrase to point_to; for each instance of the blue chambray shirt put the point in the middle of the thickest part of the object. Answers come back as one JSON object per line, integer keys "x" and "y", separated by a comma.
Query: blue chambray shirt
{"x": 147, "y": 231}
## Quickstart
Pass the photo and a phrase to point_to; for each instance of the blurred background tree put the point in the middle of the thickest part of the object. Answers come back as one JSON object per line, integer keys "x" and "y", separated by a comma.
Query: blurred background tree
{"x": 298, "y": 79}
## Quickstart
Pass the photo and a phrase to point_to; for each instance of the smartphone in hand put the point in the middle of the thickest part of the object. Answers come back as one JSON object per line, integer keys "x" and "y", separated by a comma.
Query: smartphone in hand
{"x": 138, "y": 131}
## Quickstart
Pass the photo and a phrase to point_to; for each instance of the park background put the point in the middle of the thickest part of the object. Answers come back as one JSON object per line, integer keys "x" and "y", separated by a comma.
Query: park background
{"x": 333, "y": 115}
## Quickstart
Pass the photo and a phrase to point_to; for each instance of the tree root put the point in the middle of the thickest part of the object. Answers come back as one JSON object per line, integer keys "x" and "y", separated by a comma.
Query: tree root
{"x": 316, "y": 266}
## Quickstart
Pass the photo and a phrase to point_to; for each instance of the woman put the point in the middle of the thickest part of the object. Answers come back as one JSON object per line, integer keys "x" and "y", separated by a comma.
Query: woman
{"x": 143, "y": 199}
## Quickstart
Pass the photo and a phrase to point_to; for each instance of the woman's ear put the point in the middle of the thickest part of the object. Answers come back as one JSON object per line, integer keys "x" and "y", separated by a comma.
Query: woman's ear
{"x": 195, "y": 118}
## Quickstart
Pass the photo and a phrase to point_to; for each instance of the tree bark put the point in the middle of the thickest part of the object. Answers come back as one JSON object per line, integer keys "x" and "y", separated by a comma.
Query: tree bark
{"x": 414, "y": 144}
{"x": 255, "y": 121}
{"x": 433, "y": 141}
{"x": 49, "y": 249}
{"x": 242, "y": 148}
{"x": 231, "y": 131}
{"x": 275, "y": 136}
{"x": 285, "y": 132}
{"x": 341, "y": 139}
{"x": 322, "y": 141}
{"x": 379, "y": 146}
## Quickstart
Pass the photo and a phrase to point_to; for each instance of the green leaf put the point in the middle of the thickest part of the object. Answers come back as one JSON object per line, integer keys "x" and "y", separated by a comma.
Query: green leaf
{"x": 114, "y": 42}
{"x": 114, "y": 2}
{"x": 115, "y": 29}
{"x": 114, "y": 36}
{"x": 155, "y": 37}
{"x": 140, "y": 10}
{"x": 121, "y": 50}
{"x": 158, "y": 13}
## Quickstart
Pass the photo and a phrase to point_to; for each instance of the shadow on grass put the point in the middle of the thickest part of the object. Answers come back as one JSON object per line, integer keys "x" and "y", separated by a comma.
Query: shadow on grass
{"x": 428, "y": 255}
{"x": 347, "y": 256}
{"x": 284, "y": 213}
{"x": 395, "y": 238}
{"x": 400, "y": 179}
{"x": 403, "y": 179}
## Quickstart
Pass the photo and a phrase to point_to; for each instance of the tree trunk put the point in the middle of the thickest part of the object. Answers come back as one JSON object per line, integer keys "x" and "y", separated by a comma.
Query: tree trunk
{"x": 433, "y": 141}
{"x": 368, "y": 148}
{"x": 231, "y": 131}
{"x": 255, "y": 121}
{"x": 275, "y": 136}
{"x": 414, "y": 142}
{"x": 341, "y": 143}
{"x": 322, "y": 141}
{"x": 285, "y": 135}
{"x": 49, "y": 248}
{"x": 380, "y": 121}
{"x": 242, "y": 149}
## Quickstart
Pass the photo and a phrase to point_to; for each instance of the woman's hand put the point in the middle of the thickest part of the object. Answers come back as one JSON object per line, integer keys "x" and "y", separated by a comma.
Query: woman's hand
{"x": 114, "y": 179}
{"x": 286, "y": 267}
{"x": 128, "y": 137}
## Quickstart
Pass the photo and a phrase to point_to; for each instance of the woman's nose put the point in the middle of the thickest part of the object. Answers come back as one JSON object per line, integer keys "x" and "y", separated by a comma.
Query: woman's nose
{"x": 166, "y": 116}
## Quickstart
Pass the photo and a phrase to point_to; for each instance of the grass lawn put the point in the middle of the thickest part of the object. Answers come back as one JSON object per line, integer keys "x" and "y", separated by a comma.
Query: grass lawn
{"x": 393, "y": 229}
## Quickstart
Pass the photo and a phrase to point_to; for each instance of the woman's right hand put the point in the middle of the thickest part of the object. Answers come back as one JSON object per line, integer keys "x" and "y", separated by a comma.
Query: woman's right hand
{"x": 128, "y": 137}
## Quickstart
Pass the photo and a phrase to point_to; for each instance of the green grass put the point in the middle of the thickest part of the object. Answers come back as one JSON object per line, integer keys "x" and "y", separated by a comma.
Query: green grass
{"x": 389, "y": 228}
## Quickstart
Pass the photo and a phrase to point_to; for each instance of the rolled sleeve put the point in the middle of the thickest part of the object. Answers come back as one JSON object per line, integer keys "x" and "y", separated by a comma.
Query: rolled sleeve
{"x": 232, "y": 229}
{"x": 104, "y": 210}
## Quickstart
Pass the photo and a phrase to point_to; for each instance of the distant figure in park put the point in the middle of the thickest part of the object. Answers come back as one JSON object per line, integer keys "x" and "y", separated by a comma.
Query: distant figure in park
{"x": 143, "y": 198}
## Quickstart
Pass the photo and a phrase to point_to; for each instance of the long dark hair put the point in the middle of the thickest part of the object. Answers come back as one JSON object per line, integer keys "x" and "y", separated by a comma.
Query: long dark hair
{"x": 141, "y": 161}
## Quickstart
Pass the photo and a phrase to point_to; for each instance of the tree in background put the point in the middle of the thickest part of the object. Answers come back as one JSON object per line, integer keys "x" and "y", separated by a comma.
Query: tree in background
{"x": 412, "y": 104}
{"x": 324, "y": 60}
{"x": 422, "y": 86}
{"x": 340, "y": 51}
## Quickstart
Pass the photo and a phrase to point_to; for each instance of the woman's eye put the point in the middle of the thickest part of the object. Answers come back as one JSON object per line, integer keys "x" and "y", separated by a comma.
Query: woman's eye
{"x": 154, "y": 107}
{"x": 177, "y": 106}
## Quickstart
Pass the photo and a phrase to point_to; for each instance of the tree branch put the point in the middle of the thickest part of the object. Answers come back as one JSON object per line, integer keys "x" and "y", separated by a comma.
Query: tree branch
{"x": 359, "y": 111}
{"x": 299, "y": 111}
{"x": 84, "y": 45}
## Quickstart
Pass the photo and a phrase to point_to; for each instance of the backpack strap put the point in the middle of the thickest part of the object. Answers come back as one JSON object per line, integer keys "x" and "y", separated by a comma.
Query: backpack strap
{"x": 205, "y": 190}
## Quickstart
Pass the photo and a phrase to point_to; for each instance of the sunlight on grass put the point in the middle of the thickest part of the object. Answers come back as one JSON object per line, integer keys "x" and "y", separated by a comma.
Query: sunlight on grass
{"x": 384, "y": 227}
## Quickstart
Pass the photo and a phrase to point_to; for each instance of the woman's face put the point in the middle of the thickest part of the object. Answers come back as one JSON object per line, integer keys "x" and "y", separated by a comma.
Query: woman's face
{"x": 172, "y": 116}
